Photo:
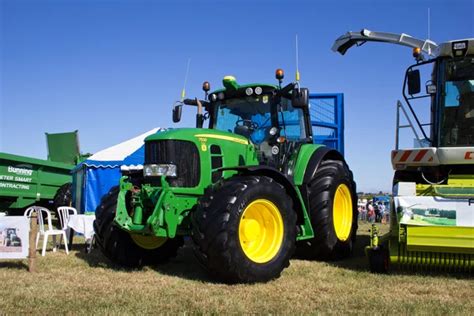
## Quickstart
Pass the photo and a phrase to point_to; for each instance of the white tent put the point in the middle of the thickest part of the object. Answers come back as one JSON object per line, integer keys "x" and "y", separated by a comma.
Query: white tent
{"x": 95, "y": 176}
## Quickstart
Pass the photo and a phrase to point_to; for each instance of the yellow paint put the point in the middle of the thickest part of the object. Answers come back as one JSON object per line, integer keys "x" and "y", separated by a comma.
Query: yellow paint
{"x": 203, "y": 147}
{"x": 342, "y": 212}
{"x": 261, "y": 231}
{"x": 148, "y": 242}
{"x": 224, "y": 137}
{"x": 454, "y": 239}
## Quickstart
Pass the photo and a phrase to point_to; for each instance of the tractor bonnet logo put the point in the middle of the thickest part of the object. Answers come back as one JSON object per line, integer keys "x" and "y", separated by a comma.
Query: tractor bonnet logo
{"x": 20, "y": 171}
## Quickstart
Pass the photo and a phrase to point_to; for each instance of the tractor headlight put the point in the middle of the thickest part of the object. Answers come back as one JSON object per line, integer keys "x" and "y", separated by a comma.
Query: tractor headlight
{"x": 155, "y": 170}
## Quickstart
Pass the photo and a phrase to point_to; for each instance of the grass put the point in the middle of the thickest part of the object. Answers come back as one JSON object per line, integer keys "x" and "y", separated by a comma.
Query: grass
{"x": 86, "y": 284}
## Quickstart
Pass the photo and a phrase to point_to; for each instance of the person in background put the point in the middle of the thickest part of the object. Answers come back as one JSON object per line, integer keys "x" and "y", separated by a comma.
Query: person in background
{"x": 362, "y": 213}
{"x": 370, "y": 212}
{"x": 377, "y": 212}
{"x": 382, "y": 212}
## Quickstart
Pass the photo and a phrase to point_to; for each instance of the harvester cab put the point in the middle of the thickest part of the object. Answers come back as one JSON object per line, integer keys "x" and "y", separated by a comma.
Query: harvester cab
{"x": 248, "y": 189}
{"x": 432, "y": 222}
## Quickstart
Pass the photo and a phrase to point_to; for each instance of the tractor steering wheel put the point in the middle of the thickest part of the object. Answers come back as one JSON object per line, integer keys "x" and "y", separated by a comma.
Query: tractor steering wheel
{"x": 247, "y": 123}
{"x": 245, "y": 127}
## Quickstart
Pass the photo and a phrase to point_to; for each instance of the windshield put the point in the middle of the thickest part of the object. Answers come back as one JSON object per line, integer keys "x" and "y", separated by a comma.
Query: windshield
{"x": 252, "y": 117}
{"x": 457, "y": 108}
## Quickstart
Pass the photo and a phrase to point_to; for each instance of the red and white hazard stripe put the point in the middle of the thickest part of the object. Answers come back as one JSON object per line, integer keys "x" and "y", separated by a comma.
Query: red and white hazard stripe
{"x": 422, "y": 156}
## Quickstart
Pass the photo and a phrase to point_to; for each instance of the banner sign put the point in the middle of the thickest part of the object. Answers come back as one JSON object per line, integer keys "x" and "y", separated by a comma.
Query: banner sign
{"x": 432, "y": 210}
{"x": 14, "y": 239}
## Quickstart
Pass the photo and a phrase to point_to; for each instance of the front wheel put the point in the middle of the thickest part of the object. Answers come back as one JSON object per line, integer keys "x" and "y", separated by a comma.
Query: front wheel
{"x": 127, "y": 250}
{"x": 245, "y": 230}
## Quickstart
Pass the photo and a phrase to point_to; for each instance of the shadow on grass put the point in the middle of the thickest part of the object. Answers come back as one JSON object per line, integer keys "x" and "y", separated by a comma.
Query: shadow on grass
{"x": 20, "y": 265}
{"x": 184, "y": 265}
{"x": 356, "y": 262}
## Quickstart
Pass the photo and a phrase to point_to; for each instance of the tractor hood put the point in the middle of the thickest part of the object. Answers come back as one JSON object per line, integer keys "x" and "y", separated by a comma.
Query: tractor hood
{"x": 198, "y": 135}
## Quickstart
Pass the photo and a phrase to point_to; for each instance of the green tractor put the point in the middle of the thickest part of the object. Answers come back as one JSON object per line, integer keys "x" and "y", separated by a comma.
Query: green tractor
{"x": 249, "y": 189}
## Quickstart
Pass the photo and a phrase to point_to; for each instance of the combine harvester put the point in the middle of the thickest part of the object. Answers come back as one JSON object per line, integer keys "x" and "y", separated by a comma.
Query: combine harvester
{"x": 432, "y": 217}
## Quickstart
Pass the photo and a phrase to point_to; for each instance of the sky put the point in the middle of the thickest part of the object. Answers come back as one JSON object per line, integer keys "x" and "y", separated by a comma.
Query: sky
{"x": 113, "y": 69}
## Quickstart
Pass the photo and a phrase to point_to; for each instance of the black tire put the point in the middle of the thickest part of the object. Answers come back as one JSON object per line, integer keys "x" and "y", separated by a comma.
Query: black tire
{"x": 118, "y": 246}
{"x": 216, "y": 229}
{"x": 321, "y": 191}
{"x": 63, "y": 196}
{"x": 379, "y": 260}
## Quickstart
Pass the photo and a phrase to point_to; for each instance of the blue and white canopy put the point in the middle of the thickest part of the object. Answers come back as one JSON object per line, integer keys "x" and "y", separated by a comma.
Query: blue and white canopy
{"x": 95, "y": 176}
{"x": 130, "y": 152}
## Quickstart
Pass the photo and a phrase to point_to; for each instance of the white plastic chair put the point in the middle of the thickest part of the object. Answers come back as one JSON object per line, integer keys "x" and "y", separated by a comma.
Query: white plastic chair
{"x": 64, "y": 214}
{"x": 49, "y": 231}
{"x": 29, "y": 210}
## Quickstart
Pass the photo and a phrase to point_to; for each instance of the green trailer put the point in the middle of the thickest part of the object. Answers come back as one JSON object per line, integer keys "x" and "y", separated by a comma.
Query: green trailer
{"x": 26, "y": 181}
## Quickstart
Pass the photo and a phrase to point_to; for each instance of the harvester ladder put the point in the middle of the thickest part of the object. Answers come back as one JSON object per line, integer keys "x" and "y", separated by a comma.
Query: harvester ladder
{"x": 398, "y": 126}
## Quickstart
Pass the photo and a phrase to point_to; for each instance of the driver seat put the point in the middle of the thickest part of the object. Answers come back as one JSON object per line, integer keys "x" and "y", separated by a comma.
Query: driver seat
{"x": 243, "y": 130}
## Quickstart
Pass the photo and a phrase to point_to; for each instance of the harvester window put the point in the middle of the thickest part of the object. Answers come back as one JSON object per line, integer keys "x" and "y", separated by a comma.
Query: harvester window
{"x": 457, "y": 110}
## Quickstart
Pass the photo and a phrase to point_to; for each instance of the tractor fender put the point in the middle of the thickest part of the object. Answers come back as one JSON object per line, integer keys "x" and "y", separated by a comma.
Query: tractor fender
{"x": 320, "y": 154}
{"x": 279, "y": 177}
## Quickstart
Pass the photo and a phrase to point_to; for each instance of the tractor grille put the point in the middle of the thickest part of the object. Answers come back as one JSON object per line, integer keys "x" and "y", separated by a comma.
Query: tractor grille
{"x": 183, "y": 154}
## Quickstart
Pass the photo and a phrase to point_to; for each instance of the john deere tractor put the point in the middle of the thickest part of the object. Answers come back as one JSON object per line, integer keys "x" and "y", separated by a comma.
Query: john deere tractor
{"x": 248, "y": 189}
{"x": 432, "y": 217}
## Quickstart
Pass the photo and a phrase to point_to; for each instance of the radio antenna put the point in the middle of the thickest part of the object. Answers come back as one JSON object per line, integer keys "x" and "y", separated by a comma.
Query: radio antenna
{"x": 429, "y": 23}
{"x": 183, "y": 92}
{"x": 297, "y": 66}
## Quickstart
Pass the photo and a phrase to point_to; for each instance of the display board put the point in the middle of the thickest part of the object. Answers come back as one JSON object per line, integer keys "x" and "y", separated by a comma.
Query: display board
{"x": 14, "y": 241}
{"x": 432, "y": 210}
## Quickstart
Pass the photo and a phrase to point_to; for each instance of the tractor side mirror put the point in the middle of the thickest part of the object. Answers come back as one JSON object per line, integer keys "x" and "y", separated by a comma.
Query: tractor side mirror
{"x": 414, "y": 85}
{"x": 177, "y": 109}
{"x": 300, "y": 99}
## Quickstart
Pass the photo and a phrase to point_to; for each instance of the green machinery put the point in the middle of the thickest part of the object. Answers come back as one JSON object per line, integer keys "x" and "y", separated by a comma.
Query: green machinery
{"x": 26, "y": 181}
{"x": 249, "y": 189}
{"x": 432, "y": 214}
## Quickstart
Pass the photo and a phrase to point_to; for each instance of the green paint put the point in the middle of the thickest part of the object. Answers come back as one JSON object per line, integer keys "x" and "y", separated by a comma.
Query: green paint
{"x": 304, "y": 155}
{"x": 25, "y": 181}
{"x": 162, "y": 210}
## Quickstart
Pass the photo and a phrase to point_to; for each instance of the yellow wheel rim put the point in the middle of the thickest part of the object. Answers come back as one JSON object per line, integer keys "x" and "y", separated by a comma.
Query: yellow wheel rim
{"x": 261, "y": 231}
{"x": 148, "y": 242}
{"x": 342, "y": 212}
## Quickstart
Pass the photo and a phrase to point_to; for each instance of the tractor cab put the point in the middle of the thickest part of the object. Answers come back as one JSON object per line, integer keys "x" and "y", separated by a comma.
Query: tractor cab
{"x": 275, "y": 119}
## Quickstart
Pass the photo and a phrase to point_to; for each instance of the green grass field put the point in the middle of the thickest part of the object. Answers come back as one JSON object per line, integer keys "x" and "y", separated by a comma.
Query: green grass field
{"x": 86, "y": 284}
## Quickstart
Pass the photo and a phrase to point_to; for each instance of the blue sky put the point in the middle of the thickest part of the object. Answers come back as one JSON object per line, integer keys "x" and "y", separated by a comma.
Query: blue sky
{"x": 112, "y": 69}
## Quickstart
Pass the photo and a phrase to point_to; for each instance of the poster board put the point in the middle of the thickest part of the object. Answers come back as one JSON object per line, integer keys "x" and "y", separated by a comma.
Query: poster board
{"x": 432, "y": 210}
{"x": 14, "y": 237}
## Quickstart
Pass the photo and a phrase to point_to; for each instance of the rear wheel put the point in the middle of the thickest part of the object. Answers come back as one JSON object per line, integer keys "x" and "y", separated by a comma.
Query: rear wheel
{"x": 129, "y": 250}
{"x": 333, "y": 212}
{"x": 245, "y": 230}
{"x": 63, "y": 196}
